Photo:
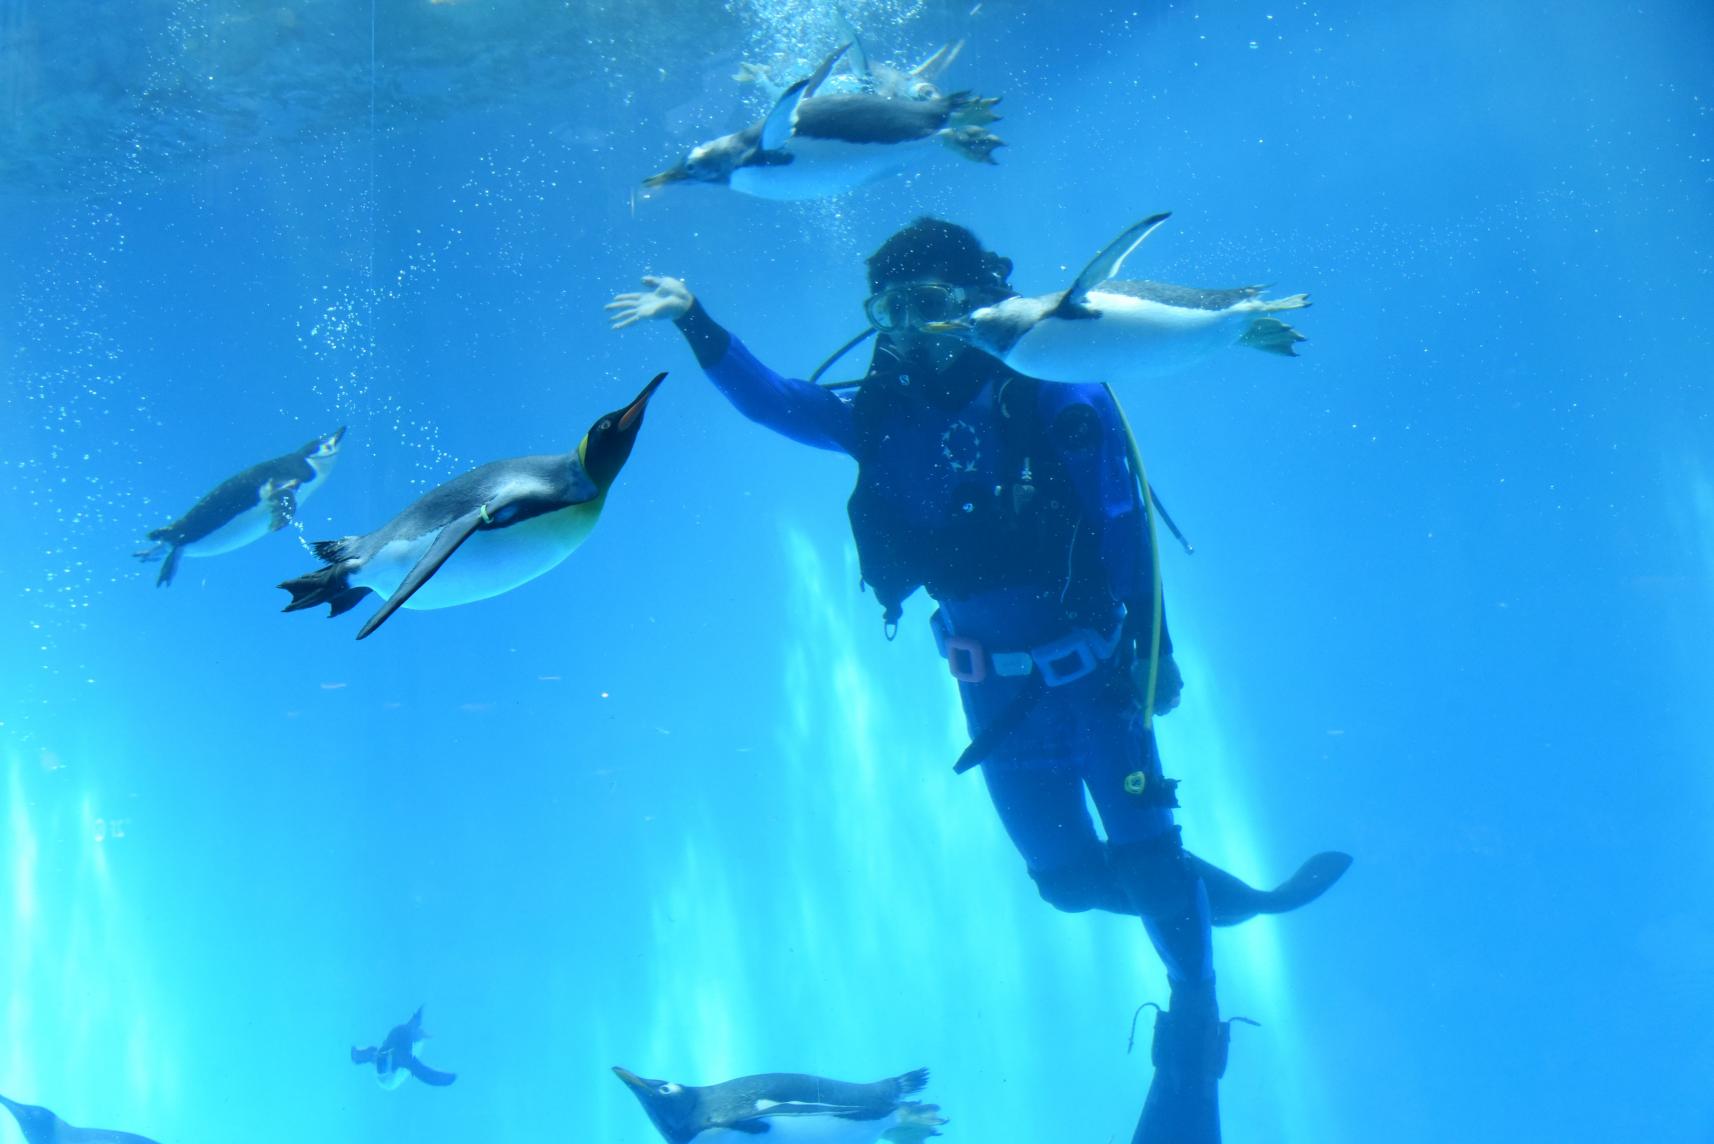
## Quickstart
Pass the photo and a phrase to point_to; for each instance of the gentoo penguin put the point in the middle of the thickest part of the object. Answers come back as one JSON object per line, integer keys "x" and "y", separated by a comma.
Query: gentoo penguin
{"x": 867, "y": 74}
{"x": 508, "y": 521}
{"x": 811, "y": 146}
{"x": 1105, "y": 328}
{"x": 40, "y": 1126}
{"x": 398, "y": 1056}
{"x": 260, "y": 500}
{"x": 790, "y": 1108}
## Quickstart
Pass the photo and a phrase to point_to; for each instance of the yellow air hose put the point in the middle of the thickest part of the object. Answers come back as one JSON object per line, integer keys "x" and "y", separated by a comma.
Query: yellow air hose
{"x": 1142, "y": 477}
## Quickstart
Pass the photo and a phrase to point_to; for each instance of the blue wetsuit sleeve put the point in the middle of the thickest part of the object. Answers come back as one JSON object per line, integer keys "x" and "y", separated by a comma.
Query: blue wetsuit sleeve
{"x": 805, "y": 412}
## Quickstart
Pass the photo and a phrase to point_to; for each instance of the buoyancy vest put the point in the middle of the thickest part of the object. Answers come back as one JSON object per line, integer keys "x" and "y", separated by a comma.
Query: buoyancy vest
{"x": 965, "y": 488}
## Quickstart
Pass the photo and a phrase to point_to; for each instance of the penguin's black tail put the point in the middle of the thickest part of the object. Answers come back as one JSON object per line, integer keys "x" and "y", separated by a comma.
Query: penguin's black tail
{"x": 914, "y": 1081}
{"x": 324, "y": 586}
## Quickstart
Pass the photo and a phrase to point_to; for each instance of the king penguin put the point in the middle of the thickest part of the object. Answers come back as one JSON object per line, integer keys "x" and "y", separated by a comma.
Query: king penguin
{"x": 811, "y": 146}
{"x": 790, "y": 1108}
{"x": 262, "y": 499}
{"x": 41, "y": 1126}
{"x": 508, "y": 521}
{"x": 398, "y": 1056}
{"x": 1108, "y": 329}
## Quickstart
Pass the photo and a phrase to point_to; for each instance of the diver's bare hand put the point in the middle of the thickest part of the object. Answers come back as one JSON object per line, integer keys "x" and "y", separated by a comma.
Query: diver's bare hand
{"x": 667, "y": 298}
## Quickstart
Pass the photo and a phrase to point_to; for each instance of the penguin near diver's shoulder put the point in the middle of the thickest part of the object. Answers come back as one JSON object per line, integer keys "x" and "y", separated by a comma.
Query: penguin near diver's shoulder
{"x": 1109, "y": 329}
{"x": 813, "y": 146}
{"x": 263, "y": 498}
{"x": 481, "y": 534}
{"x": 41, "y": 1126}
{"x": 395, "y": 1057}
{"x": 788, "y": 1108}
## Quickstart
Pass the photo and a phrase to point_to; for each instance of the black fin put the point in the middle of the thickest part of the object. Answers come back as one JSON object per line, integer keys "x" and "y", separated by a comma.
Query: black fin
{"x": 444, "y": 546}
{"x": 323, "y": 586}
{"x": 362, "y": 1056}
{"x": 345, "y": 601}
{"x": 1231, "y": 900}
{"x": 914, "y": 1081}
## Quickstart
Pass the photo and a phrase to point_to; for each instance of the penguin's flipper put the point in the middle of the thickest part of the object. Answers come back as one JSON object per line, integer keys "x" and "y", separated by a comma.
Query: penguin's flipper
{"x": 439, "y": 553}
{"x": 859, "y": 58}
{"x": 1108, "y": 263}
{"x": 782, "y": 120}
{"x": 429, "y": 1075}
{"x": 282, "y": 505}
{"x": 930, "y": 69}
{"x": 1231, "y": 900}
{"x": 363, "y": 1056}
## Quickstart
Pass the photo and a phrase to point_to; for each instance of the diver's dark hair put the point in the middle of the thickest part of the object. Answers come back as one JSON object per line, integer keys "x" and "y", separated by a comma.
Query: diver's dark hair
{"x": 932, "y": 247}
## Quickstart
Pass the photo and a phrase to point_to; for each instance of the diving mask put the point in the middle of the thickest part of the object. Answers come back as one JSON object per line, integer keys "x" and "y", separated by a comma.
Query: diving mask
{"x": 913, "y": 305}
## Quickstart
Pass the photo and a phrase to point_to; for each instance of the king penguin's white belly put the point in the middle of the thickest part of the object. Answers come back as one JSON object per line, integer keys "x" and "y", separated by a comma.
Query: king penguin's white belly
{"x": 491, "y": 562}
{"x": 1133, "y": 339}
{"x": 822, "y": 168}
{"x": 250, "y": 525}
{"x": 807, "y": 1130}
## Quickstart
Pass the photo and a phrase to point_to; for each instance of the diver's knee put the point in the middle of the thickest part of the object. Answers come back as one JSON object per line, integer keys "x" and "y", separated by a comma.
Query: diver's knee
{"x": 1155, "y": 874}
{"x": 1077, "y": 889}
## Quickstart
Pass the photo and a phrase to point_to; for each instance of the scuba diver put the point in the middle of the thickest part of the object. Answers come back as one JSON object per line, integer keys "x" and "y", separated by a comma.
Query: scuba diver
{"x": 1020, "y": 506}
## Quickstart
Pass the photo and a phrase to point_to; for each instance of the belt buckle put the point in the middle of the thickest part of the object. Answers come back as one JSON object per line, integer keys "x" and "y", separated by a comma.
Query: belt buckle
{"x": 966, "y": 660}
{"x": 1065, "y": 660}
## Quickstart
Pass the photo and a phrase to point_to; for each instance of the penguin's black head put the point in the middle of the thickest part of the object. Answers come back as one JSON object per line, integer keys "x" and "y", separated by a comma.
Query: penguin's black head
{"x": 607, "y": 446}
{"x": 673, "y": 1109}
{"x": 323, "y": 447}
{"x": 35, "y": 1123}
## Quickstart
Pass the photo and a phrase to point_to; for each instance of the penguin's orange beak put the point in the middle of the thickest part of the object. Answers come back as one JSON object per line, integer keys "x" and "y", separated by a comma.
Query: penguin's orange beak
{"x": 632, "y": 1079}
{"x": 635, "y": 409}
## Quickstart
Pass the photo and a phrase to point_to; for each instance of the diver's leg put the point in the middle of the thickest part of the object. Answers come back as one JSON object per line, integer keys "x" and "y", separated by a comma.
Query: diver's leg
{"x": 1041, "y": 805}
{"x": 1166, "y": 888}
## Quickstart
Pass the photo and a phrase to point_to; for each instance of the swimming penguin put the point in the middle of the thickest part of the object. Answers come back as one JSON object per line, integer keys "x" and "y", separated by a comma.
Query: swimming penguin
{"x": 884, "y": 79}
{"x": 790, "y": 1108}
{"x": 866, "y": 74}
{"x": 1105, "y": 328}
{"x": 812, "y": 146}
{"x": 508, "y": 521}
{"x": 398, "y": 1056}
{"x": 260, "y": 500}
{"x": 40, "y": 1126}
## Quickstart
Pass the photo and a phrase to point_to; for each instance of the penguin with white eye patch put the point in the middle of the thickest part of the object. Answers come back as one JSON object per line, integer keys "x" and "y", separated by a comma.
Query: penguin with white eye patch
{"x": 1111, "y": 329}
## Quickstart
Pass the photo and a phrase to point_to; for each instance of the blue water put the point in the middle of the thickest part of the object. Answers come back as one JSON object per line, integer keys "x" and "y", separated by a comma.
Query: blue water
{"x": 678, "y": 805}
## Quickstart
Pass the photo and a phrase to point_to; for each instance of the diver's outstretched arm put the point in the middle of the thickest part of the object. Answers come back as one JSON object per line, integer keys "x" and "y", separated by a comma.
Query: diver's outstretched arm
{"x": 793, "y": 407}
